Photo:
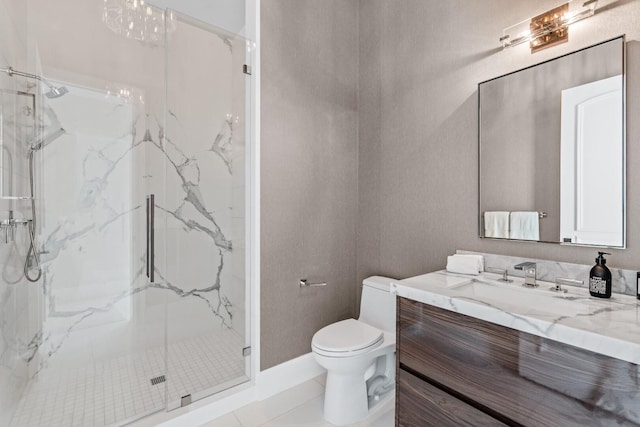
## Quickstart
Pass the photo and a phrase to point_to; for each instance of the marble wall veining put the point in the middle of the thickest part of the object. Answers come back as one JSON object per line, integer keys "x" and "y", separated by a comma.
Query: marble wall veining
{"x": 622, "y": 281}
{"x": 124, "y": 138}
{"x": 93, "y": 231}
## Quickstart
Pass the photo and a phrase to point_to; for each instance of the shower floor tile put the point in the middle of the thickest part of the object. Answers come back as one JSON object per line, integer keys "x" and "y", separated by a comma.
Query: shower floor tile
{"x": 110, "y": 392}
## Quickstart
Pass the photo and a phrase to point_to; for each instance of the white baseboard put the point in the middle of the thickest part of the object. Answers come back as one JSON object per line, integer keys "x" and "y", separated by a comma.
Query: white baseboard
{"x": 268, "y": 383}
{"x": 287, "y": 375}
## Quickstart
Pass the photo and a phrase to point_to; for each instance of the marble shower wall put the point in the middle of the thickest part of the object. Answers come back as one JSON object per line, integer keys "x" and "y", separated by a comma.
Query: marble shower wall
{"x": 14, "y": 289}
{"x": 115, "y": 152}
{"x": 94, "y": 301}
{"x": 204, "y": 204}
{"x": 15, "y": 292}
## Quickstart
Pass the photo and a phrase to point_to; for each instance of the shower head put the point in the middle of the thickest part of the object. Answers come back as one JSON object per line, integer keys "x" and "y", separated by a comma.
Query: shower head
{"x": 56, "y": 92}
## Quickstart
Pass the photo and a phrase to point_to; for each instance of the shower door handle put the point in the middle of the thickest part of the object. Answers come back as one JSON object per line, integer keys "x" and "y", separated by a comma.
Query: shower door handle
{"x": 151, "y": 237}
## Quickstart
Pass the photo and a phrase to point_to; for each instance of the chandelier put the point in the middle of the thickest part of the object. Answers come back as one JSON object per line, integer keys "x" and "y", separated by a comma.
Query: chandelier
{"x": 135, "y": 19}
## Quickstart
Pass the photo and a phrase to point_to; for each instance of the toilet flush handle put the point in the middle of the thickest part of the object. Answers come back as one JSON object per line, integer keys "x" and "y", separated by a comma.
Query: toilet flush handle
{"x": 305, "y": 284}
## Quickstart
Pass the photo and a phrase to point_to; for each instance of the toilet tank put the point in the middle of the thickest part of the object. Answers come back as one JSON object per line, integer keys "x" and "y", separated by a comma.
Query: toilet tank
{"x": 378, "y": 304}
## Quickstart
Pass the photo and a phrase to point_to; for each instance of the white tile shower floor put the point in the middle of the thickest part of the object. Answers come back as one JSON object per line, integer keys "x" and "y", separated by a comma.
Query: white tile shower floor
{"x": 116, "y": 390}
{"x": 300, "y": 406}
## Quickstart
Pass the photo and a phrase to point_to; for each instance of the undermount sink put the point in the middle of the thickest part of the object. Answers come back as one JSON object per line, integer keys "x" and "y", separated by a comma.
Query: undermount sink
{"x": 540, "y": 298}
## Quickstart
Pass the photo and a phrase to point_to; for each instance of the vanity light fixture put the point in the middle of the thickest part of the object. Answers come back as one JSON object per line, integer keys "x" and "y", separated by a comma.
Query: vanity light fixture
{"x": 549, "y": 28}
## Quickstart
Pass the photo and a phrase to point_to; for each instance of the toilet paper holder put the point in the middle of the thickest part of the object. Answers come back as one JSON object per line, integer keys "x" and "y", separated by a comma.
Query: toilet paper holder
{"x": 305, "y": 284}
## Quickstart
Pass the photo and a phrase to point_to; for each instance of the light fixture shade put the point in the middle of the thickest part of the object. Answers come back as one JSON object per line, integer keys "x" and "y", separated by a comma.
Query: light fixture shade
{"x": 548, "y": 28}
{"x": 135, "y": 19}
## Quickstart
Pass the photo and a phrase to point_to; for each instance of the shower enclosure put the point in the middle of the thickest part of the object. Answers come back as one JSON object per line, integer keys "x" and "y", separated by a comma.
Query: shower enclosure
{"x": 134, "y": 297}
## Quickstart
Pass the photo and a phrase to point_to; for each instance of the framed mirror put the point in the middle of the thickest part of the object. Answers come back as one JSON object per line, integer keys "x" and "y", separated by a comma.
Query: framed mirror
{"x": 552, "y": 150}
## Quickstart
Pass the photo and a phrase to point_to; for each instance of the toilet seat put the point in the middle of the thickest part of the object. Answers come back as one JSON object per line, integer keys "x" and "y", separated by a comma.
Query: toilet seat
{"x": 346, "y": 338}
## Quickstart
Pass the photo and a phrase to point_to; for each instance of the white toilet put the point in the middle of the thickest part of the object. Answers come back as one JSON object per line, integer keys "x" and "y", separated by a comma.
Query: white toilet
{"x": 359, "y": 355}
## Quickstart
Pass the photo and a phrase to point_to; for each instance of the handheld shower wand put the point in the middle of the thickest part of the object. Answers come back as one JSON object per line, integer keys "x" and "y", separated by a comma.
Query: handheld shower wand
{"x": 32, "y": 253}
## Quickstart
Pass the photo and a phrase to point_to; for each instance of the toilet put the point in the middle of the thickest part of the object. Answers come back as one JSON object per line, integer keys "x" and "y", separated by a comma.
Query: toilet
{"x": 359, "y": 355}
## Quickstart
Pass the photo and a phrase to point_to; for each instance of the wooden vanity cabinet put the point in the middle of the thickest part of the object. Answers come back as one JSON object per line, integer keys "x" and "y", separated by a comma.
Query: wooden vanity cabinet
{"x": 456, "y": 370}
{"x": 422, "y": 404}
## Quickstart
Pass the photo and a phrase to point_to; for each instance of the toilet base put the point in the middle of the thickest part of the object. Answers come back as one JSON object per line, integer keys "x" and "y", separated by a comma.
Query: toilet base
{"x": 345, "y": 398}
{"x": 347, "y": 393}
{"x": 353, "y": 380}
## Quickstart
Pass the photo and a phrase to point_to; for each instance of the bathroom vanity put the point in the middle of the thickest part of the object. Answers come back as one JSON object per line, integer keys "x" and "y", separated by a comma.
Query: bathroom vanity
{"x": 477, "y": 351}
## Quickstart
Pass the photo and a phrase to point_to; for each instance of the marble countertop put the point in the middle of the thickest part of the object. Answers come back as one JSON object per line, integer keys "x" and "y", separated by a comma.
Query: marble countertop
{"x": 607, "y": 326}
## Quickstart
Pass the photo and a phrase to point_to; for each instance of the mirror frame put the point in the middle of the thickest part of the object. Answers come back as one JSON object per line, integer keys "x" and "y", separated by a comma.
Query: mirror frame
{"x": 624, "y": 148}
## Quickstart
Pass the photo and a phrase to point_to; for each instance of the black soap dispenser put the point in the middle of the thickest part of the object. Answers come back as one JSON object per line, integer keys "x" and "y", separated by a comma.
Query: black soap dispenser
{"x": 600, "y": 278}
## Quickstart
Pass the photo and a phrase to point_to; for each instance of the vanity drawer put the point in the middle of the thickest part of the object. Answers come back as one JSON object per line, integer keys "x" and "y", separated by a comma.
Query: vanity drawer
{"x": 527, "y": 379}
{"x": 419, "y": 404}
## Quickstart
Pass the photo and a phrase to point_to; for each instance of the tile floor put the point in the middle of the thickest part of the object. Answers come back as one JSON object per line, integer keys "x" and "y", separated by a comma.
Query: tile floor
{"x": 300, "y": 406}
{"x": 112, "y": 391}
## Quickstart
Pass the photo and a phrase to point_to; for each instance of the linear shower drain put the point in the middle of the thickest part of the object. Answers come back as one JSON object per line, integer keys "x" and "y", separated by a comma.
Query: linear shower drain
{"x": 158, "y": 380}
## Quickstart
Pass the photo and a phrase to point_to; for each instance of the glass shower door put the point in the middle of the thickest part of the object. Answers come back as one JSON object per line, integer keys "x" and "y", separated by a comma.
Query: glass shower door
{"x": 205, "y": 211}
{"x": 139, "y": 154}
{"x": 95, "y": 350}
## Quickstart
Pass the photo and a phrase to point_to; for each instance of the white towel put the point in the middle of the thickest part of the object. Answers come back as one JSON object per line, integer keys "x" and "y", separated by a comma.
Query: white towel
{"x": 525, "y": 226}
{"x": 479, "y": 258}
{"x": 464, "y": 264}
{"x": 496, "y": 224}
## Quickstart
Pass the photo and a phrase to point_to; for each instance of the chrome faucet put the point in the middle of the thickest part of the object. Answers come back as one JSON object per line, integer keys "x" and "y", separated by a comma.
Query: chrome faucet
{"x": 505, "y": 275}
{"x": 529, "y": 269}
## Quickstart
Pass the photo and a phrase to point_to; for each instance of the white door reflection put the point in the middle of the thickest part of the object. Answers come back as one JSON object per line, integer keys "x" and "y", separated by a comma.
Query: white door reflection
{"x": 592, "y": 164}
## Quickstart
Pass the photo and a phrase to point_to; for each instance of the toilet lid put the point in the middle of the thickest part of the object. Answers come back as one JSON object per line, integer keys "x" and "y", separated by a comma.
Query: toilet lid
{"x": 347, "y": 336}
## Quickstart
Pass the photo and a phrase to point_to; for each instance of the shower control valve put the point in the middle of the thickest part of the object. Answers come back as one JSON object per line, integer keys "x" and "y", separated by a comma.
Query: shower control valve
{"x": 9, "y": 226}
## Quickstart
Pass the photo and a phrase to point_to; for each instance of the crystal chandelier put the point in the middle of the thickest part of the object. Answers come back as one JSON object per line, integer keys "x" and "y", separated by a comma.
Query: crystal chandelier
{"x": 135, "y": 19}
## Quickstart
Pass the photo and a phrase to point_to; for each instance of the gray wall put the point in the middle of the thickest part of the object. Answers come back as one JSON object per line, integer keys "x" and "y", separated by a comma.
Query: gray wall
{"x": 309, "y": 145}
{"x": 369, "y": 142}
{"x": 420, "y": 62}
